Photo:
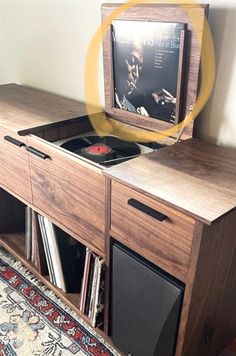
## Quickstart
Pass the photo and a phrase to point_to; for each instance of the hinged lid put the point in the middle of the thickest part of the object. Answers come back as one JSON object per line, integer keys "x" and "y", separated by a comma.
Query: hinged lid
{"x": 152, "y": 63}
{"x": 27, "y": 110}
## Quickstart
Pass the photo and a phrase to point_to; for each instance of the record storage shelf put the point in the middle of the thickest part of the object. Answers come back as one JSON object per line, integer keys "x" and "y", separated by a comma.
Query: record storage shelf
{"x": 15, "y": 245}
{"x": 207, "y": 174}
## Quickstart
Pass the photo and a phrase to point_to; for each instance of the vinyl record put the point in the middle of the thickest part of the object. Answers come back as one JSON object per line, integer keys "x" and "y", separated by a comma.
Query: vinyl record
{"x": 107, "y": 151}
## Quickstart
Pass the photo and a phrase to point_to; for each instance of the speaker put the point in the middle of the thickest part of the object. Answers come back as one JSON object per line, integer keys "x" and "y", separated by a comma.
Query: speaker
{"x": 145, "y": 305}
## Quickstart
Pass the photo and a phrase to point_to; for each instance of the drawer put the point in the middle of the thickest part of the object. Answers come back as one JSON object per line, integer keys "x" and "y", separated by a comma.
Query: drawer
{"x": 134, "y": 221}
{"x": 14, "y": 165}
{"x": 68, "y": 190}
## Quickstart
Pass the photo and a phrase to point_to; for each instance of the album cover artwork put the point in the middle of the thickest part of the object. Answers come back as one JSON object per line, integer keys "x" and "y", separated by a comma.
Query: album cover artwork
{"x": 146, "y": 59}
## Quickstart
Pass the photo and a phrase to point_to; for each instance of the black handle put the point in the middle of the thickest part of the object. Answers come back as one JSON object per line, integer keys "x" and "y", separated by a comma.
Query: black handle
{"x": 146, "y": 209}
{"x": 14, "y": 141}
{"x": 37, "y": 153}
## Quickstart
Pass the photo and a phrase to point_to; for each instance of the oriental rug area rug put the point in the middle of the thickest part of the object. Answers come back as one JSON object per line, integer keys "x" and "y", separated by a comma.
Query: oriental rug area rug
{"x": 34, "y": 322}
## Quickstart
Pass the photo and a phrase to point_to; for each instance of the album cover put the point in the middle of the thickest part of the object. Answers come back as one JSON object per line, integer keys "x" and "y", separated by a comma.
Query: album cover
{"x": 146, "y": 57}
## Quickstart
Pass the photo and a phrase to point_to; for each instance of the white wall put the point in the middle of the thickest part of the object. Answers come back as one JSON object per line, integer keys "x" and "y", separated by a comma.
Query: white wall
{"x": 218, "y": 119}
{"x": 47, "y": 42}
{"x": 43, "y": 43}
{"x": 2, "y": 50}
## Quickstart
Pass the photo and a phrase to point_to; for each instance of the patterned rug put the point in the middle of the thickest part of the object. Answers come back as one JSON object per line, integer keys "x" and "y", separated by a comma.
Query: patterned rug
{"x": 34, "y": 322}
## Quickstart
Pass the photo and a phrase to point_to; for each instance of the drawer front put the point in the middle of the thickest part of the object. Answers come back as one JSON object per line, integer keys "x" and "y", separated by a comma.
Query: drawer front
{"x": 136, "y": 221}
{"x": 14, "y": 165}
{"x": 71, "y": 192}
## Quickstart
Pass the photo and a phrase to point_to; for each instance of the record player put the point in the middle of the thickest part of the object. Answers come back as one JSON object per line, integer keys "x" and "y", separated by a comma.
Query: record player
{"x": 105, "y": 151}
{"x": 70, "y": 188}
{"x": 151, "y": 59}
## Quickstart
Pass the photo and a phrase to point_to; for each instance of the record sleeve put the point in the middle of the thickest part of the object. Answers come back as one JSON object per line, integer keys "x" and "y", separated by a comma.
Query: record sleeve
{"x": 147, "y": 67}
{"x": 85, "y": 280}
{"x": 47, "y": 250}
{"x": 28, "y": 232}
{"x": 90, "y": 284}
{"x": 37, "y": 245}
{"x": 54, "y": 253}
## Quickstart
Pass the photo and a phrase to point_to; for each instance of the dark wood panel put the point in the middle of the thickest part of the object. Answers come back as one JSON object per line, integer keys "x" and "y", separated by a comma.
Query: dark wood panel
{"x": 14, "y": 168}
{"x": 167, "y": 243}
{"x": 70, "y": 191}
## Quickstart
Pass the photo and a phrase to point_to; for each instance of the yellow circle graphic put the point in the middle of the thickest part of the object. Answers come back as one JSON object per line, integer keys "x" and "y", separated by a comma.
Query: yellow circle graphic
{"x": 104, "y": 126}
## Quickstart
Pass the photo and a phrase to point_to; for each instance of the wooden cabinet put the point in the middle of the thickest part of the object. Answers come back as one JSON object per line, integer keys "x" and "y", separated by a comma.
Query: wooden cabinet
{"x": 174, "y": 207}
{"x": 192, "y": 184}
{"x": 36, "y": 173}
{"x": 14, "y": 168}
{"x": 70, "y": 191}
{"x": 94, "y": 208}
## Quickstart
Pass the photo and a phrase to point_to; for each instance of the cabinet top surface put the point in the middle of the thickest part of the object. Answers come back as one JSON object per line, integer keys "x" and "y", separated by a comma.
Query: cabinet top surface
{"x": 193, "y": 176}
{"x": 23, "y": 108}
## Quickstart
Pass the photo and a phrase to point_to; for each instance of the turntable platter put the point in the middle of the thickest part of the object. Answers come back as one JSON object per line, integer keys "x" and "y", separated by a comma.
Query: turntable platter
{"x": 106, "y": 151}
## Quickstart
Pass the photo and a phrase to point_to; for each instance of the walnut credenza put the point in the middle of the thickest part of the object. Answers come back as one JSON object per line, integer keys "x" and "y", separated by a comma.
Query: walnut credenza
{"x": 191, "y": 184}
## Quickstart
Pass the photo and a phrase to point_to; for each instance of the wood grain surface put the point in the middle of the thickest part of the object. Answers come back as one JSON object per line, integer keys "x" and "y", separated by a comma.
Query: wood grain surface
{"x": 192, "y": 176}
{"x": 70, "y": 191}
{"x": 211, "y": 322}
{"x": 167, "y": 243}
{"x": 189, "y": 287}
{"x": 23, "y": 108}
{"x": 14, "y": 166}
{"x": 192, "y": 183}
{"x": 107, "y": 253}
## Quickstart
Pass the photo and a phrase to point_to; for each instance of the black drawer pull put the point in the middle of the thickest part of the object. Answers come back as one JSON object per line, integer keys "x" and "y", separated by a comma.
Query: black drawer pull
{"x": 14, "y": 141}
{"x": 37, "y": 153}
{"x": 146, "y": 209}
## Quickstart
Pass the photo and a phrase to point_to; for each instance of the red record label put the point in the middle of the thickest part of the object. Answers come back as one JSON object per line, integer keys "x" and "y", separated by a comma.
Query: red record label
{"x": 98, "y": 149}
